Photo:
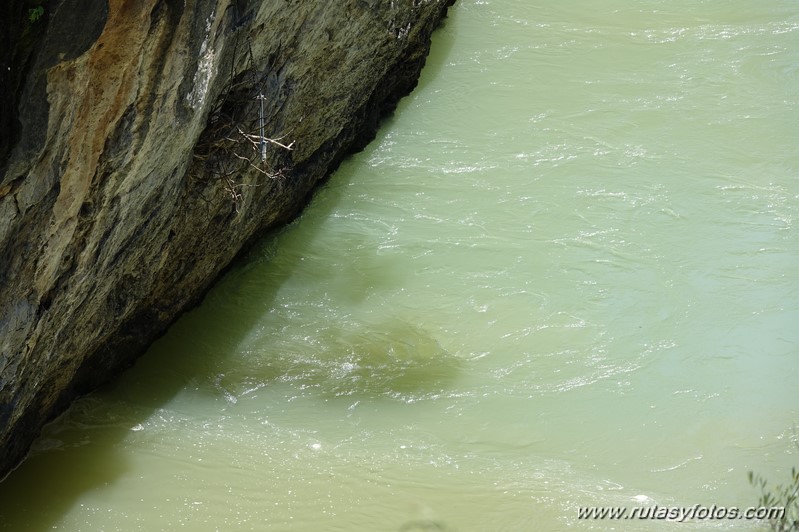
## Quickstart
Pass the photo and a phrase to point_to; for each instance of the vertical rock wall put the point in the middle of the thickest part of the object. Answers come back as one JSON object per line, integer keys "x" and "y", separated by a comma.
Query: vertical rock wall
{"x": 131, "y": 164}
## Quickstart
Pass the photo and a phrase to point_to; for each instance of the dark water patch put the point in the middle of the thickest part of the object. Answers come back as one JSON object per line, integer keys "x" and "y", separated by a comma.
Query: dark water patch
{"x": 389, "y": 359}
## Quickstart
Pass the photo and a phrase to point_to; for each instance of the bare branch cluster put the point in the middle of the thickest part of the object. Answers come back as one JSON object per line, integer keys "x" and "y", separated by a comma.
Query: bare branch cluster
{"x": 234, "y": 142}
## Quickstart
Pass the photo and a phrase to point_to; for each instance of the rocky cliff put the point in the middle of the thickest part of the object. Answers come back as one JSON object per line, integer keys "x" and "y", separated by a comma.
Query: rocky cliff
{"x": 145, "y": 143}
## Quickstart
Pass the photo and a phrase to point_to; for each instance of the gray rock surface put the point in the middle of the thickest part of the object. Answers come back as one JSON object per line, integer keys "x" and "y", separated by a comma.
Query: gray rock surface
{"x": 131, "y": 167}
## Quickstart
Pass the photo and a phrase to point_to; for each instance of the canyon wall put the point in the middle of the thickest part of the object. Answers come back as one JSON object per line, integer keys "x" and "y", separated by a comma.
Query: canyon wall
{"x": 145, "y": 143}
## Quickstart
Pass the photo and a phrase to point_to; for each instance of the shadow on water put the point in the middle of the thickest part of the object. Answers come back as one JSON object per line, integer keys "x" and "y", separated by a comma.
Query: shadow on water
{"x": 84, "y": 450}
{"x": 59, "y": 470}
{"x": 444, "y": 39}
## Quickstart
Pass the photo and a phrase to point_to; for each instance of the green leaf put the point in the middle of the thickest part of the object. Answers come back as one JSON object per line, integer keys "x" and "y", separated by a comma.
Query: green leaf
{"x": 35, "y": 14}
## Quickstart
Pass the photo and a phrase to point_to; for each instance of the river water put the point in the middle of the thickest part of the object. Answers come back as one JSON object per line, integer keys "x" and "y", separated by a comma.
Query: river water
{"x": 563, "y": 275}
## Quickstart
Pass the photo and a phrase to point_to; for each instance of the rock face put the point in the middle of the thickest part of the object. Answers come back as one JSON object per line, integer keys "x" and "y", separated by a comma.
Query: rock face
{"x": 134, "y": 165}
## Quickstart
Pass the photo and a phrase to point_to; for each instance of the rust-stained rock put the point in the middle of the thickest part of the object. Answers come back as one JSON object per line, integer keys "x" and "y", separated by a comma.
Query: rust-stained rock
{"x": 120, "y": 202}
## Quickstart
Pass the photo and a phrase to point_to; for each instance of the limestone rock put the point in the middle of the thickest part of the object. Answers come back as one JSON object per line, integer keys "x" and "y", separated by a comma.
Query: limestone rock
{"x": 133, "y": 168}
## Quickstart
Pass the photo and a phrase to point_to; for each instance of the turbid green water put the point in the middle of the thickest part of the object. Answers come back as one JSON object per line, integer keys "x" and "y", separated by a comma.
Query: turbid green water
{"x": 564, "y": 274}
